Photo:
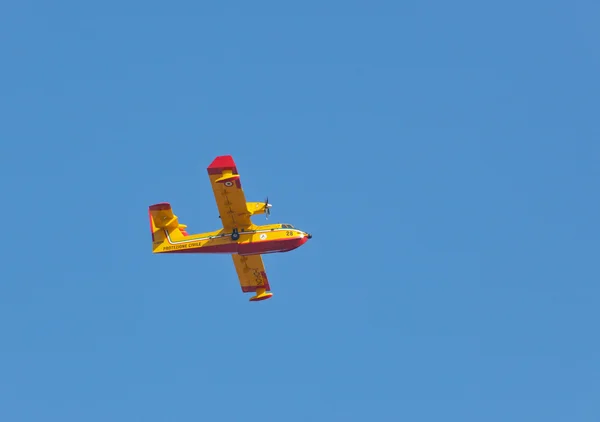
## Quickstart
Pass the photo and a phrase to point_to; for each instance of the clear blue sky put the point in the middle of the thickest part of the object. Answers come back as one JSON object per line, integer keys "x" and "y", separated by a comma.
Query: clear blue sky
{"x": 444, "y": 155}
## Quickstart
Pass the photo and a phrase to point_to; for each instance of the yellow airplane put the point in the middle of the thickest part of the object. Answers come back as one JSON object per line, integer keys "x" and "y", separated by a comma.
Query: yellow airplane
{"x": 239, "y": 237}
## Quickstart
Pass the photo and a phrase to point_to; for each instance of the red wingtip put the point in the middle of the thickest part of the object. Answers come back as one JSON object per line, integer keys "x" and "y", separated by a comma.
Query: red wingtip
{"x": 222, "y": 162}
{"x": 163, "y": 206}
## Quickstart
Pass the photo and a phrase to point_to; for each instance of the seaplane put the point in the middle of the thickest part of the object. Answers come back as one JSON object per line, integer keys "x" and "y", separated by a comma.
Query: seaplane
{"x": 245, "y": 241}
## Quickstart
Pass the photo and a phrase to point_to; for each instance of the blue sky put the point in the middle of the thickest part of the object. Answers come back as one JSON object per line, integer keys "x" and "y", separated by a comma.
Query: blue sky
{"x": 444, "y": 155}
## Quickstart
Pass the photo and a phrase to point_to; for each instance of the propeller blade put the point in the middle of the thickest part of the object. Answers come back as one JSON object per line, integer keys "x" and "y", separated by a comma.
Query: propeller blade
{"x": 267, "y": 208}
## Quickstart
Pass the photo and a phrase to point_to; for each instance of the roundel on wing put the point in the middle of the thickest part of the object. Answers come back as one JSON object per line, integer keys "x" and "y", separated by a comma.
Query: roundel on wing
{"x": 229, "y": 183}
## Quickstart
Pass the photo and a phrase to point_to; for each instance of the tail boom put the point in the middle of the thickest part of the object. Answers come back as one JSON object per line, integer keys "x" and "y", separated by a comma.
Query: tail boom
{"x": 169, "y": 236}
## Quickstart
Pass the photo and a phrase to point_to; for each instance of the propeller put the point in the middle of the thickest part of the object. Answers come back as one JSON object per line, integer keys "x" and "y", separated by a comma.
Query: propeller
{"x": 267, "y": 208}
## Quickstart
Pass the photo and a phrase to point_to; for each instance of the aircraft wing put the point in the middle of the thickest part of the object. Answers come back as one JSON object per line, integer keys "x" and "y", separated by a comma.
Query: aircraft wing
{"x": 251, "y": 272}
{"x": 226, "y": 185}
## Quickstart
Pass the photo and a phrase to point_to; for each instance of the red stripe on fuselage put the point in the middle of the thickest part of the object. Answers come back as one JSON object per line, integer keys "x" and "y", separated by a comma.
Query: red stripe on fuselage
{"x": 227, "y": 248}
{"x": 254, "y": 248}
{"x": 270, "y": 246}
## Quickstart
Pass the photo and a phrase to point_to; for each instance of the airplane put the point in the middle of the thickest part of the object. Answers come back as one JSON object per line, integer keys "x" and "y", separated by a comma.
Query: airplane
{"x": 244, "y": 240}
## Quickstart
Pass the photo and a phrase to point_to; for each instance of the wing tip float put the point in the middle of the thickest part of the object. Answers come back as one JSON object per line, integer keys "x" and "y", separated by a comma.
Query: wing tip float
{"x": 238, "y": 236}
{"x": 261, "y": 294}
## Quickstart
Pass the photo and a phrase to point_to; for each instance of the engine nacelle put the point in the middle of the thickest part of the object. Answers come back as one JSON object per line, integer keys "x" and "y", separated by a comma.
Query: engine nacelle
{"x": 257, "y": 207}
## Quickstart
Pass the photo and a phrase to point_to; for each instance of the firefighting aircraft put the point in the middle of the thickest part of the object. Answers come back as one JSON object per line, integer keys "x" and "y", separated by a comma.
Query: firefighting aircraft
{"x": 239, "y": 237}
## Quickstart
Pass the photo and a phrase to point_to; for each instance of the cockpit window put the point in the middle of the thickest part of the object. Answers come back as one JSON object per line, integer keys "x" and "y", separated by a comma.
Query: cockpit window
{"x": 287, "y": 226}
